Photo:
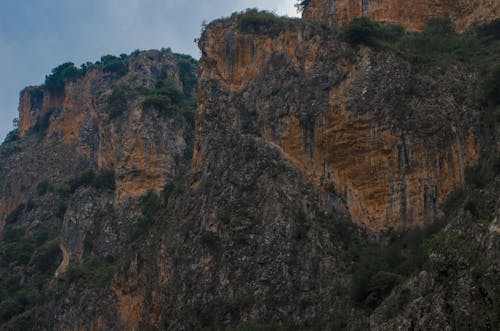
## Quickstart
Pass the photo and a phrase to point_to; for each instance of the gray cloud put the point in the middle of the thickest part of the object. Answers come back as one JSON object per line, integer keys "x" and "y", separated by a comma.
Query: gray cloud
{"x": 37, "y": 35}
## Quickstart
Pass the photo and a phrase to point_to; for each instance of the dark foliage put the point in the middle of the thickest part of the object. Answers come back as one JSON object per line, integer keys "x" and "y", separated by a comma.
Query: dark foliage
{"x": 104, "y": 180}
{"x": 168, "y": 100}
{"x": 491, "y": 29}
{"x": 492, "y": 88}
{"x": 36, "y": 97}
{"x": 42, "y": 123}
{"x": 11, "y": 137}
{"x": 380, "y": 268}
{"x": 442, "y": 26}
{"x": 151, "y": 204}
{"x": 118, "y": 100}
{"x": 361, "y": 30}
{"x": 261, "y": 22}
{"x": 14, "y": 215}
{"x": 43, "y": 187}
{"x": 113, "y": 64}
{"x": 187, "y": 71}
{"x": 301, "y": 5}
{"x": 55, "y": 81}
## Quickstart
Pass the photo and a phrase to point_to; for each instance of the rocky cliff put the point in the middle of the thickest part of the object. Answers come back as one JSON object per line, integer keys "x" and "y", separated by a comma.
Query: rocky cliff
{"x": 67, "y": 131}
{"x": 410, "y": 14}
{"x": 351, "y": 122}
{"x": 324, "y": 186}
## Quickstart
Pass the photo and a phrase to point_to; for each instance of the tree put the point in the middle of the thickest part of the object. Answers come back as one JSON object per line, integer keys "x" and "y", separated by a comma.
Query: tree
{"x": 301, "y": 5}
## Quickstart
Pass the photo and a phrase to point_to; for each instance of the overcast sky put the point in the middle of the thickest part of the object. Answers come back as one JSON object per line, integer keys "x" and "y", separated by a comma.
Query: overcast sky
{"x": 38, "y": 35}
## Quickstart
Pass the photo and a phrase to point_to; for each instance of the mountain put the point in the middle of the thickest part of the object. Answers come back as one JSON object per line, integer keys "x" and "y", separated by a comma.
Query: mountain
{"x": 305, "y": 174}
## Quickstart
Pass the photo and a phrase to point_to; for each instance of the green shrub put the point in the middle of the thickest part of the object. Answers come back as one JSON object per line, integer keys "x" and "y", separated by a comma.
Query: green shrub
{"x": 210, "y": 240}
{"x": 301, "y": 5}
{"x": 18, "y": 252}
{"x": 361, "y": 30}
{"x": 11, "y": 137}
{"x": 491, "y": 29}
{"x": 454, "y": 201}
{"x": 104, "y": 181}
{"x": 474, "y": 177}
{"x": 379, "y": 286}
{"x": 492, "y": 88}
{"x": 42, "y": 123}
{"x": 113, "y": 64}
{"x": 56, "y": 80}
{"x": 14, "y": 215}
{"x": 36, "y": 97}
{"x": 380, "y": 268}
{"x": 150, "y": 204}
{"x": 117, "y": 101}
{"x": 43, "y": 187}
{"x": 439, "y": 26}
{"x": 10, "y": 308}
{"x": 95, "y": 271}
{"x": 168, "y": 100}
{"x": 10, "y": 234}
{"x": 260, "y": 22}
{"x": 470, "y": 206}
{"x": 187, "y": 71}
{"x": 85, "y": 179}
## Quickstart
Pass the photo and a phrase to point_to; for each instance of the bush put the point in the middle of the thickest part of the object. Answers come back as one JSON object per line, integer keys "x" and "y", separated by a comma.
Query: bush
{"x": 10, "y": 234}
{"x": 380, "y": 268}
{"x": 95, "y": 271}
{"x": 301, "y": 5}
{"x": 210, "y": 240}
{"x": 36, "y": 97}
{"x": 439, "y": 26}
{"x": 492, "y": 88}
{"x": 56, "y": 80}
{"x": 42, "y": 123}
{"x": 474, "y": 177}
{"x": 168, "y": 100}
{"x": 104, "y": 180}
{"x": 14, "y": 215}
{"x": 117, "y": 101}
{"x": 11, "y": 137}
{"x": 260, "y": 22}
{"x": 361, "y": 30}
{"x": 113, "y": 64}
{"x": 491, "y": 29}
{"x": 150, "y": 204}
{"x": 43, "y": 187}
{"x": 187, "y": 71}
{"x": 19, "y": 252}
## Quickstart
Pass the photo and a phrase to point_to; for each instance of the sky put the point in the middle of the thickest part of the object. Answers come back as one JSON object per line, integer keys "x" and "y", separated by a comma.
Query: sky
{"x": 38, "y": 35}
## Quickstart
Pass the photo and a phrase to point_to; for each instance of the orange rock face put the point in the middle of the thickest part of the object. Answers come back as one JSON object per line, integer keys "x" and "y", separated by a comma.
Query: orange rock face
{"x": 387, "y": 175}
{"x": 142, "y": 149}
{"x": 410, "y": 14}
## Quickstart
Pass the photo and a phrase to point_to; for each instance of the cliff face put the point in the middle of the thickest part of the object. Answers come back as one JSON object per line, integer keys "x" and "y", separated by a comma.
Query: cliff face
{"x": 410, "y": 14}
{"x": 304, "y": 151}
{"x": 72, "y": 130}
{"x": 363, "y": 127}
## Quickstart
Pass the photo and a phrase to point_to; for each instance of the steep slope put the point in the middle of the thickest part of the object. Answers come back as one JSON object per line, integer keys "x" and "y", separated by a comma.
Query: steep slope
{"x": 314, "y": 163}
{"x": 410, "y": 14}
{"x": 366, "y": 127}
{"x": 74, "y": 127}
{"x": 91, "y": 146}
